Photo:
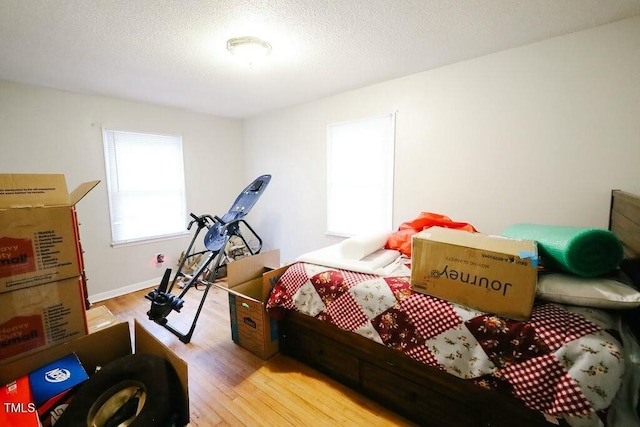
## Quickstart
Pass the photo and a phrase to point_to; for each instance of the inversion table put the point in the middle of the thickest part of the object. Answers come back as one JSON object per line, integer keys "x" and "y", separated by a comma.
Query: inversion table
{"x": 219, "y": 232}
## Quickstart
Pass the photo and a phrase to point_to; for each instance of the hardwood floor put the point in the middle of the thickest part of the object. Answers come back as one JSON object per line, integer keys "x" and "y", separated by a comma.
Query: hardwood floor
{"x": 229, "y": 386}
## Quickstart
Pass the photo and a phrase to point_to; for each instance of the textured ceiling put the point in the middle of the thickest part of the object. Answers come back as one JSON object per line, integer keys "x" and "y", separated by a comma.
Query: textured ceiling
{"x": 173, "y": 52}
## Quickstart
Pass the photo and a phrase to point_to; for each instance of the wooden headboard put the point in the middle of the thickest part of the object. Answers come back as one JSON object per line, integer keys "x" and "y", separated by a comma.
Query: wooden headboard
{"x": 624, "y": 221}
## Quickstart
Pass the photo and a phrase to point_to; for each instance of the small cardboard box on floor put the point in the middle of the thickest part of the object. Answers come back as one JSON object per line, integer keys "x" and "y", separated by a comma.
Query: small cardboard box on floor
{"x": 490, "y": 273}
{"x": 249, "y": 282}
{"x": 98, "y": 349}
{"x": 38, "y": 317}
{"x": 39, "y": 237}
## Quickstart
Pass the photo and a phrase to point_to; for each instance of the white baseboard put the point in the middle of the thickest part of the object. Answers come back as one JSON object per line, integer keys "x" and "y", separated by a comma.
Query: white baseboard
{"x": 124, "y": 290}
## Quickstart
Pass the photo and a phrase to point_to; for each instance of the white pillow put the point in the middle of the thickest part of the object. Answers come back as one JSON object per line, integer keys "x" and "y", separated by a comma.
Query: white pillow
{"x": 360, "y": 246}
{"x": 586, "y": 292}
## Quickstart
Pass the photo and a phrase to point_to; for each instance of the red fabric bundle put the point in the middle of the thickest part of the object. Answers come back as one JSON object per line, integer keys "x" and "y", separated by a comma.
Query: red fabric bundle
{"x": 401, "y": 239}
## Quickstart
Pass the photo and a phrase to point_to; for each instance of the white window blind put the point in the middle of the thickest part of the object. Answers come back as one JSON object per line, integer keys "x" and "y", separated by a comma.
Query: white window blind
{"x": 145, "y": 180}
{"x": 360, "y": 159}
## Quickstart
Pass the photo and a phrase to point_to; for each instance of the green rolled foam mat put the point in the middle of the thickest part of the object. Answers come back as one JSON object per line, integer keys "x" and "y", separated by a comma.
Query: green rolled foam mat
{"x": 586, "y": 252}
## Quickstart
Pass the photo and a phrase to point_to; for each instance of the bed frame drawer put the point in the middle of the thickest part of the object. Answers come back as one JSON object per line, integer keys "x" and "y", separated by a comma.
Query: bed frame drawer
{"x": 431, "y": 406}
{"x": 327, "y": 356}
{"x": 423, "y": 394}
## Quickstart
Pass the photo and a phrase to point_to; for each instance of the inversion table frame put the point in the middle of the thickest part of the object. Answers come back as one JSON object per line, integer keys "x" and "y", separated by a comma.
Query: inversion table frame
{"x": 220, "y": 231}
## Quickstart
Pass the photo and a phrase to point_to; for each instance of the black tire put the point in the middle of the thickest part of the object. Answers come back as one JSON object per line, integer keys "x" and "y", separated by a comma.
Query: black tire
{"x": 153, "y": 373}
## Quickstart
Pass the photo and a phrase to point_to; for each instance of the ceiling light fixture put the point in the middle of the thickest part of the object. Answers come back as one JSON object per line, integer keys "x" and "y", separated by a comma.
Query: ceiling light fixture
{"x": 249, "y": 49}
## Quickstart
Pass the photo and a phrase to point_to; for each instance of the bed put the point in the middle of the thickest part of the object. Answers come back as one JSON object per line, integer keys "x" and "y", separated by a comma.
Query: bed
{"x": 389, "y": 353}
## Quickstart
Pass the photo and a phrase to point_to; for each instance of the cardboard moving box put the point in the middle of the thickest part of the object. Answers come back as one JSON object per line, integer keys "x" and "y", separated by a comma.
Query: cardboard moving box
{"x": 41, "y": 316}
{"x": 100, "y": 348}
{"x": 249, "y": 282}
{"x": 39, "y": 237}
{"x": 99, "y": 317}
{"x": 493, "y": 274}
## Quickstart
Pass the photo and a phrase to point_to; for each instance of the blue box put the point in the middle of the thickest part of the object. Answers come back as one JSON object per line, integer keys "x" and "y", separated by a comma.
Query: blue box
{"x": 55, "y": 378}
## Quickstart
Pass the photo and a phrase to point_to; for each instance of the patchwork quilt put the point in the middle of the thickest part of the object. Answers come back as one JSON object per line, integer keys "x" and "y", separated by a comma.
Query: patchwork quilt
{"x": 564, "y": 361}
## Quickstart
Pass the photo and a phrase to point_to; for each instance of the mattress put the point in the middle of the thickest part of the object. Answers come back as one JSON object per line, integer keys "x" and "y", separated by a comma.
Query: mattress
{"x": 564, "y": 361}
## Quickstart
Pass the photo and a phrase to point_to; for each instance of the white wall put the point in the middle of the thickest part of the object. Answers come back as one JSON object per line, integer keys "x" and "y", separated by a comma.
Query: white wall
{"x": 540, "y": 134}
{"x": 49, "y": 131}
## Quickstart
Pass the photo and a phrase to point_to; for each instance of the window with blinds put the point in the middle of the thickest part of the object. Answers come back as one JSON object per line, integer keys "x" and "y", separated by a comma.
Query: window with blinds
{"x": 145, "y": 180}
{"x": 360, "y": 160}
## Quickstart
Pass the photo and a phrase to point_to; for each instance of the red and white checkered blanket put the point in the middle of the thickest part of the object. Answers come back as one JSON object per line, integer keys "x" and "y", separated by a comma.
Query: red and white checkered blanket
{"x": 563, "y": 361}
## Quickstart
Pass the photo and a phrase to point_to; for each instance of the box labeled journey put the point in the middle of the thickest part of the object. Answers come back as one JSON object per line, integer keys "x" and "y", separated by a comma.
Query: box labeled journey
{"x": 493, "y": 274}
